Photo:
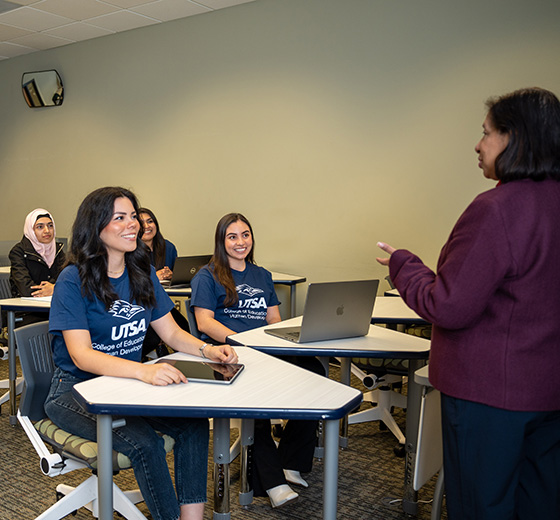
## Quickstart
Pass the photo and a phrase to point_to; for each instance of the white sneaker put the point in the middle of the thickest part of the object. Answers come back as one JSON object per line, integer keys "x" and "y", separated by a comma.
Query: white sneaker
{"x": 294, "y": 477}
{"x": 281, "y": 495}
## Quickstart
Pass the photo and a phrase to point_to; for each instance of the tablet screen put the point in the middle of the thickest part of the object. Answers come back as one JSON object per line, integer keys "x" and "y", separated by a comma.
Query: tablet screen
{"x": 206, "y": 372}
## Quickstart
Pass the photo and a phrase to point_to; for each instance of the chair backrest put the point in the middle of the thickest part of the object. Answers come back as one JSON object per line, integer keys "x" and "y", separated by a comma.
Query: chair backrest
{"x": 191, "y": 319}
{"x": 5, "y": 290}
{"x": 34, "y": 346}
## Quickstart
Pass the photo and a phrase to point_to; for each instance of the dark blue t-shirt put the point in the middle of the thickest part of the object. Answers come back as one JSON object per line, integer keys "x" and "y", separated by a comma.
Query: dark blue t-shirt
{"x": 170, "y": 256}
{"x": 119, "y": 331}
{"x": 254, "y": 288}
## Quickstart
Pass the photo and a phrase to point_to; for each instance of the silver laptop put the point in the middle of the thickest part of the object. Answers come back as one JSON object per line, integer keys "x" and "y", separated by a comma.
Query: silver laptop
{"x": 185, "y": 268}
{"x": 333, "y": 310}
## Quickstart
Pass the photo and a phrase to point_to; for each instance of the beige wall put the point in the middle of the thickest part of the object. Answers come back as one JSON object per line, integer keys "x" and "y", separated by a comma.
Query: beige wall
{"x": 330, "y": 124}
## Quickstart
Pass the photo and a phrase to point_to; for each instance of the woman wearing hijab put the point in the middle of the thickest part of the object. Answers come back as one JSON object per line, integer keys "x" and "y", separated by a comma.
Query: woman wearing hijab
{"x": 37, "y": 260}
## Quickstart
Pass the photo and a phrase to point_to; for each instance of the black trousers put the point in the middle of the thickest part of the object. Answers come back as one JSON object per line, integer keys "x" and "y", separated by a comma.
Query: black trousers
{"x": 297, "y": 444}
{"x": 500, "y": 464}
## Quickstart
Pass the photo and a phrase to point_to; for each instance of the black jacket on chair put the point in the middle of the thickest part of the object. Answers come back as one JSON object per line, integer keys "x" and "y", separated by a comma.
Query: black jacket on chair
{"x": 28, "y": 267}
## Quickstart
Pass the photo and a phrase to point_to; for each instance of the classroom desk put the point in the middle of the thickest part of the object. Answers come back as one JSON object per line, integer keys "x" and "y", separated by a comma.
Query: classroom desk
{"x": 253, "y": 395}
{"x": 289, "y": 280}
{"x": 393, "y": 311}
{"x": 380, "y": 342}
{"x": 11, "y": 306}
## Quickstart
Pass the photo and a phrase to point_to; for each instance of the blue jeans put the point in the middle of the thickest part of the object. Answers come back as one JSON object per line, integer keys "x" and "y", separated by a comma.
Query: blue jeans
{"x": 500, "y": 464}
{"x": 145, "y": 448}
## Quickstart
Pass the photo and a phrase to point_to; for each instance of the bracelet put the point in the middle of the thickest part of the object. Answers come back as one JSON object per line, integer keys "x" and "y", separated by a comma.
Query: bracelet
{"x": 201, "y": 349}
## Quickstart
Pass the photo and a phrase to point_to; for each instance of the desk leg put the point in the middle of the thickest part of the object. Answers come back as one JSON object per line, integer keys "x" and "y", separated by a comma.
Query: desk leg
{"x": 345, "y": 380}
{"x": 410, "y": 499}
{"x": 12, "y": 370}
{"x": 292, "y": 301}
{"x": 105, "y": 466}
{"x": 330, "y": 477}
{"x": 247, "y": 438}
{"x": 221, "y": 469}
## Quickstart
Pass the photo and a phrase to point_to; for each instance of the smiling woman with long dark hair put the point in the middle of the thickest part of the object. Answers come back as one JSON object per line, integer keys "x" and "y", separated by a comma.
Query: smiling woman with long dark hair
{"x": 107, "y": 292}
{"x": 233, "y": 294}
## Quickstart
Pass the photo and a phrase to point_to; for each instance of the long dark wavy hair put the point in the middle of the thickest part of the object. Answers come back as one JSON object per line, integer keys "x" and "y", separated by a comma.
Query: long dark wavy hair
{"x": 219, "y": 263}
{"x": 89, "y": 254}
{"x": 158, "y": 244}
{"x": 531, "y": 118}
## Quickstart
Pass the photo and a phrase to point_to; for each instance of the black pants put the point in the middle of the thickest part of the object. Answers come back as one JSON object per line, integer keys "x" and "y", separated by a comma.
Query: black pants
{"x": 297, "y": 444}
{"x": 500, "y": 464}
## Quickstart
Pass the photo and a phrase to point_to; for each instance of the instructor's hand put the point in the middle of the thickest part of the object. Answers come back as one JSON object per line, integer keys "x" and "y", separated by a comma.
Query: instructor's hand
{"x": 388, "y": 249}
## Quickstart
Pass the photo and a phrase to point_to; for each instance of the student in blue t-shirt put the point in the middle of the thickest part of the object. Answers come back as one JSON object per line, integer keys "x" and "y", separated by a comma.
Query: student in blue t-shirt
{"x": 162, "y": 256}
{"x": 162, "y": 252}
{"x": 232, "y": 294}
{"x": 102, "y": 305}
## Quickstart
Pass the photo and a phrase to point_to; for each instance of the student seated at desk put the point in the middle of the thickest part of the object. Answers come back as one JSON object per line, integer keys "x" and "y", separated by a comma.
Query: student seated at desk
{"x": 37, "y": 260}
{"x": 232, "y": 294}
{"x": 162, "y": 252}
{"x": 109, "y": 293}
{"x": 162, "y": 256}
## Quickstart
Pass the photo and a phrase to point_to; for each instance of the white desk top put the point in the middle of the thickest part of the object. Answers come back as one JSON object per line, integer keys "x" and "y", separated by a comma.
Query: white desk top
{"x": 26, "y": 304}
{"x": 379, "y": 342}
{"x": 5, "y": 269}
{"x": 267, "y": 387}
{"x": 288, "y": 279}
{"x": 388, "y": 309}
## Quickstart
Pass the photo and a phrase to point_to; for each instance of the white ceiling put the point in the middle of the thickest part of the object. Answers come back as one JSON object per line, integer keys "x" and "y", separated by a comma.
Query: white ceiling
{"x": 34, "y": 25}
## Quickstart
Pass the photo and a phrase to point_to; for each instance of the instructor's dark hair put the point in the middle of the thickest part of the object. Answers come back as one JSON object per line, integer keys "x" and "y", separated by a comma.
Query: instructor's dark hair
{"x": 531, "y": 119}
{"x": 89, "y": 254}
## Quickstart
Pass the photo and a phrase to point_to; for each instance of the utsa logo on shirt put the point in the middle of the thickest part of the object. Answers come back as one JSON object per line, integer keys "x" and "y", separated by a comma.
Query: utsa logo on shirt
{"x": 250, "y": 303}
{"x": 125, "y": 310}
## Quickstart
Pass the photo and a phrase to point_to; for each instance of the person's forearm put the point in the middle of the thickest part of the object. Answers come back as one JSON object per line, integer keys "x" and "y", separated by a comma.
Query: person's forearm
{"x": 215, "y": 330}
{"x": 103, "y": 364}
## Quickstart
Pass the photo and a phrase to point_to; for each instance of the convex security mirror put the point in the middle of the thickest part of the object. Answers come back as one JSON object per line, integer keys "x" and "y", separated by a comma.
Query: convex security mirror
{"x": 42, "y": 89}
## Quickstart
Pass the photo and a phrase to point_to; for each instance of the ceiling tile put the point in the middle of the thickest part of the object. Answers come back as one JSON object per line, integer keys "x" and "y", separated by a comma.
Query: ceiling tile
{"x": 8, "y": 32}
{"x": 219, "y": 4}
{"x": 76, "y": 9}
{"x": 79, "y": 31}
{"x": 33, "y": 19}
{"x": 23, "y": 2}
{"x": 41, "y": 41}
{"x": 126, "y": 4}
{"x": 56, "y": 22}
{"x": 121, "y": 21}
{"x": 11, "y": 50}
{"x": 166, "y": 10}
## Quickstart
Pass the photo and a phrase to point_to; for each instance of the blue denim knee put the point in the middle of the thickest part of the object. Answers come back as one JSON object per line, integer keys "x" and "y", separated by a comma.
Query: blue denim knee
{"x": 140, "y": 442}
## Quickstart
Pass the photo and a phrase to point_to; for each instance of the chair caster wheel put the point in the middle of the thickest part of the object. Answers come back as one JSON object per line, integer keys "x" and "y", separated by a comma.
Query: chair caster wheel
{"x": 382, "y": 426}
{"x": 399, "y": 450}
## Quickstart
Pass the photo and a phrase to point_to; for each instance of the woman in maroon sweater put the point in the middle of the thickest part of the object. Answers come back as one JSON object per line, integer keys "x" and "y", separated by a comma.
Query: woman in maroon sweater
{"x": 495, "y": 307}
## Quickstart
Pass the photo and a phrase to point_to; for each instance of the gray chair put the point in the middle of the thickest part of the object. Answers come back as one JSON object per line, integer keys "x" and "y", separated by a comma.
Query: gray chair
{"x": 191, "y": 319}
{"x": 6, "y": 292}
{"x": 69, "y": 452}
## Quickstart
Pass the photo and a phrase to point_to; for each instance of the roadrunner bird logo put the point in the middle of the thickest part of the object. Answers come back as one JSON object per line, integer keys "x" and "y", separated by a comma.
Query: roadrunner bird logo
{"x": 247, "y": 290}
{"x": 124, "y": 310}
